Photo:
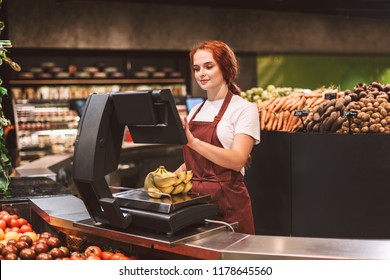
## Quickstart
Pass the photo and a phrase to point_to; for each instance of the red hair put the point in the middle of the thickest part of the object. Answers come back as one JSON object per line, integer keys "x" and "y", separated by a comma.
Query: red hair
{"x": 225, "y": 58}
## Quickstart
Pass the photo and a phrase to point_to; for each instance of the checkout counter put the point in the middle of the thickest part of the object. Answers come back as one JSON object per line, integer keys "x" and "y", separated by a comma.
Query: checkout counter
{"x": 70, "y": 215}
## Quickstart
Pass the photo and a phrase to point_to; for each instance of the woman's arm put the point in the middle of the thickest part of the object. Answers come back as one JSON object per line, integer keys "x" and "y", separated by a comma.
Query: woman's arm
{"x": 233, "y": 158}
{"x": 181, "y": 168}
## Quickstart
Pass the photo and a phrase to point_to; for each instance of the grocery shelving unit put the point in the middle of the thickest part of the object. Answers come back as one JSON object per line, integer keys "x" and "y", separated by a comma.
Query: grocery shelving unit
{"x": 46, "y": 123}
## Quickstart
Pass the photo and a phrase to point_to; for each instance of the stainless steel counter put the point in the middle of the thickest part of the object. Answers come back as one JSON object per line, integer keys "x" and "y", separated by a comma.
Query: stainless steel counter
{"x": 68, "y": 213}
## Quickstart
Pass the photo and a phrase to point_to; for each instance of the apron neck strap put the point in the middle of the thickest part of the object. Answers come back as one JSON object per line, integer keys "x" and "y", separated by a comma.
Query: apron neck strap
{"x": 224, "y": 106}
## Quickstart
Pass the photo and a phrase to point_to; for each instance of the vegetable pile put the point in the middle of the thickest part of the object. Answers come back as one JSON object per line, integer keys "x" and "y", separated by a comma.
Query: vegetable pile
{"x": 277, "y": 112}
{"x": 371, "y": 104}
{"x": 18, "y": 241}
{"x": 259, "y": 94}
{"x": 364, "y": 109}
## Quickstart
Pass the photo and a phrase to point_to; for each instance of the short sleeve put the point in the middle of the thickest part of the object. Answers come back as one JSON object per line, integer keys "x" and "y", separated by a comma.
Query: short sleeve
{"x": 249, "y": 121}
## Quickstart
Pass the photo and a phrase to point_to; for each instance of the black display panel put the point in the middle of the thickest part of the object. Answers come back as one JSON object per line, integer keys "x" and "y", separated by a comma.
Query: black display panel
{"x": 151, "y": 117}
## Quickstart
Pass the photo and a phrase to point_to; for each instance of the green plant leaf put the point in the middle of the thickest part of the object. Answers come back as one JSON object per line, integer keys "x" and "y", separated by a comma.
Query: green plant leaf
{"x": 4, "y": 183}
{"x": 4, "y": 121}
{"x": 3, "y": 91}
{"x": 5, "y": 163}
{"x": 4, "y": 157}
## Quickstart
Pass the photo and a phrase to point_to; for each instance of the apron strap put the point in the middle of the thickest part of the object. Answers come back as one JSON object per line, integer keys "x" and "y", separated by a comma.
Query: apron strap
{"x": 197, "y": 111}
{"x": 223, "y": 108}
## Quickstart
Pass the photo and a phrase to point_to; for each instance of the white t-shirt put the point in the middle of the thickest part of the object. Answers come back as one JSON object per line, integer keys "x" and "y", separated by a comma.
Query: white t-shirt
{"x": 241, "y": 116}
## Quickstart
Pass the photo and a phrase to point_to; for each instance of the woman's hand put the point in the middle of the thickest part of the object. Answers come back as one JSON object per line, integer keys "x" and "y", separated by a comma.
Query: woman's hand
{"x": 190, "y": 138}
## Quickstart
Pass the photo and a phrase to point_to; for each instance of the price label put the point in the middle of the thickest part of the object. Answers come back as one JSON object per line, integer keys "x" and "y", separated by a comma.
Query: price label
{"x": 330, "y": 96}
{"x": 349, "y": 114}
{"x": 301, "y": 113}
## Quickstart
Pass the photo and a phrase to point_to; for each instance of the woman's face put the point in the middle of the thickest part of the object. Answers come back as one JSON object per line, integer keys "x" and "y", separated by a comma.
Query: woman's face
{"x": 206, "y": 71}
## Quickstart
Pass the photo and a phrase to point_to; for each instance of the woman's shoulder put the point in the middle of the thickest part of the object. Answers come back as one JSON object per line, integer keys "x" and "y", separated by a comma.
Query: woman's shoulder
{"x": 240, "y": 102}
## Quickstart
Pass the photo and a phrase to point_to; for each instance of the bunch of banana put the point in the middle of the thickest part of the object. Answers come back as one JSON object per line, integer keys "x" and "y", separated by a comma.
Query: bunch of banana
{"x": 162, "y": 181}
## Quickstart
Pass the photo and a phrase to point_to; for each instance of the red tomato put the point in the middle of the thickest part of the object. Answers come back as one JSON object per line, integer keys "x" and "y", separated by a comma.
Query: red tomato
{"x": 3, "y": 224}
{"x": 7, "y": 218}
{"x": 77, "y": 256}
{"x": 16, "y": 229}
{"x": 22, "y": 221}
{"x": 93, "y": 251}
{"x": 25, "y": 228}
{"x": 93, "y": 257}
{"x": 107, "y": 255}
{"x": 14, "y": 217}
{"x": 14, "y": 223}
{"x": 118, "y": 256}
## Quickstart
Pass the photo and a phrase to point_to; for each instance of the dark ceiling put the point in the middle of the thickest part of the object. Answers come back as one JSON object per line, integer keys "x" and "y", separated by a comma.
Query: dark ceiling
{"x": 374, "y": 9}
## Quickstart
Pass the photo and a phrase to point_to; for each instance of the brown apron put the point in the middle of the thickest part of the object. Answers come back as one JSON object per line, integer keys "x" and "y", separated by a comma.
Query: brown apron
{"x": 225, "y": 186}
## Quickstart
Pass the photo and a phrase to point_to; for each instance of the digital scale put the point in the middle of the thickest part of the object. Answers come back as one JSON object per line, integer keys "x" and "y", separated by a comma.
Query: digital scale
{"x": 151, "y": 117}
{"x": 167, "y": 214}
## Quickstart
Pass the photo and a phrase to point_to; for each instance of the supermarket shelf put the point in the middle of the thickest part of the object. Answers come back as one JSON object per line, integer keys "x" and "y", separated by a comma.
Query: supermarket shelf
{"x": 96, "y": 81}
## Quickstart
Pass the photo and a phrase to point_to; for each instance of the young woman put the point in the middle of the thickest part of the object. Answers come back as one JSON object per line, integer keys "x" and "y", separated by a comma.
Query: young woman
{"x": 221, "y": 133}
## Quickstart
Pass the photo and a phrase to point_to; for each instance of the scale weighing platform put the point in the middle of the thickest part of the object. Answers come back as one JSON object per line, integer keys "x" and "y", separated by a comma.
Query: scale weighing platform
{"x": 168, "y": 214}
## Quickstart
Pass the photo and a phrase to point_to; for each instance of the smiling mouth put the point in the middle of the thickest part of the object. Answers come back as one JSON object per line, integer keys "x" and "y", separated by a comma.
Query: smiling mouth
{"x": 203, "y": 81}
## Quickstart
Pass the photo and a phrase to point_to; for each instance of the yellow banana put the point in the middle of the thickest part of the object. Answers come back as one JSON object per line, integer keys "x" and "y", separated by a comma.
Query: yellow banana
{"x": 163, "y": 178}
{"x": 178, "y": 189}
{"x": 154, "y": 192}
{"x": 180, "y": 177}
{"x": 148, "y": 183}
{"x": 164, "y": 181}
{"x": 189, "y": 175}
{"x": 187, "y": 187}
{"x": 166, "y": 190}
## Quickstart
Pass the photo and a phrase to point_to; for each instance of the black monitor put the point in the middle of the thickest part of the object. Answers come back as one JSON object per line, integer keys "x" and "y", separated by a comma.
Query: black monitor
{"x": 77, "y": 105}
{"x": 193, "y": 101}
{"x": 151, "y": 117}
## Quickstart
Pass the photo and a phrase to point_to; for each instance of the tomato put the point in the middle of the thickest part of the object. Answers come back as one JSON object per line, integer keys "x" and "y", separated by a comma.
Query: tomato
{"x": 26, "y": 238}
{"x": 3, "y": 224}
{"x": 11, "y": 256}
{"x": 53, "y": 242}
{"x": 77, "y": 256}
{"x": 11, "y": 235}
{"x": 44, "y": 256}
{"x": 27, "y": 254}
{"x": 32, "y": 234}
{"x": 14, "y": 217}
{"x": 22, "y": 221}
{"x": 45, "y": 234}
{"x": 21, "y": 245}
{"x": 107, "y": 255}
{"x": 56, "y": 253}
{"x": 93, "y": 257}
{"x": 10, "y": 249}
{"x": 65, "y": 250}
{"x": 7, "y": 218}
{"x": 14, "y": 223}
{"x": 15, "y": 229}
{"x": 41, "y": 247}
{"x": 25, "y": 228}
{"x": 118, "y": 256}
{"x": 93, "y": 251}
